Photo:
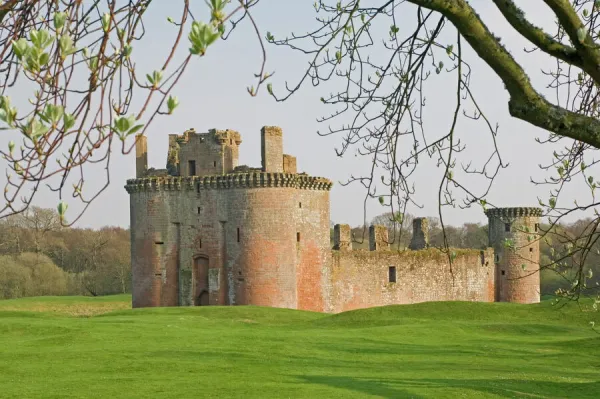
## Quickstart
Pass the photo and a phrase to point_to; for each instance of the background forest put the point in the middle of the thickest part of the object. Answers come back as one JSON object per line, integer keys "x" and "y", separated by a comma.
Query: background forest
{"x": 40, "y": 257}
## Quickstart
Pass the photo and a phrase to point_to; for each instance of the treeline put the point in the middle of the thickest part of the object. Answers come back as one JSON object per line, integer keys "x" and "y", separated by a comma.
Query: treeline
{"x": 558, "y": 239}
{"x": 40, "y": 257}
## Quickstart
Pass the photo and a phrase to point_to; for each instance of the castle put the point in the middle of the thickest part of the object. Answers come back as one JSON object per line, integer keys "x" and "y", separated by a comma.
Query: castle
{"x": 206, "y": 231}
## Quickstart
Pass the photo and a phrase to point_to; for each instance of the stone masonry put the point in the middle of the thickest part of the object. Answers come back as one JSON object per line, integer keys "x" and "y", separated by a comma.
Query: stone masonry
{"x": 206, "y": 231}
{"x": 420, "y": 237}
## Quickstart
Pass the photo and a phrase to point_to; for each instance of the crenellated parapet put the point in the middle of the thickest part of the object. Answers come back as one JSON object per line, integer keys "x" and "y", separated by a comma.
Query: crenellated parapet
{"x": 517, "y": 212}
{"x": 232, "y": 180}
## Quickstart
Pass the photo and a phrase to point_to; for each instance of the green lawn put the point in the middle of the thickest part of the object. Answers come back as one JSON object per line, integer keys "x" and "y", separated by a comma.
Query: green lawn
{"x": 54, "y": 348}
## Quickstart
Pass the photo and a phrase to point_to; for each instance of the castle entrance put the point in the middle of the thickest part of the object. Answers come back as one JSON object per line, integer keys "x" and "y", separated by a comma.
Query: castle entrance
{"x": 201, "y": 281}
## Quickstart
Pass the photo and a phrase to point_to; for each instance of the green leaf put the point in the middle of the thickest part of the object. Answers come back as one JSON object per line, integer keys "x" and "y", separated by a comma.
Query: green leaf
{"x": 66, "y": 46}
{"x": 20, "y": 47}
{"x": 59, "y": 20}
{"x": 122, "y": 125}
{"x": 35, "y": 129}
{"x": 43, "y": 59}
{"x": 53, "y": 113}
{"x": 68, "y": 121}
{"x": 93, "y": 63}
{"x": 270, "y": 88}
{"x": 581, "y": 34}
{"x": 155, "y": 78}
{"x": 62, "y": 209}
{"x": 399, "y": 217}
{"x": 105, "y": 22}
{"x": 127, "y": 49}
{"x": 201, "y": 37}
{"x": 135, "y": 129}
{"x": 172, "y": 103}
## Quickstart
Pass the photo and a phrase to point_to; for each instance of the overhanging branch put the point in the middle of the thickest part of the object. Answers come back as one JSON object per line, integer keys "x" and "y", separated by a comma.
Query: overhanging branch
{"x": 583, "y": 42}
{"x": 536, "y": 35}
{"x": 525, "y": 102}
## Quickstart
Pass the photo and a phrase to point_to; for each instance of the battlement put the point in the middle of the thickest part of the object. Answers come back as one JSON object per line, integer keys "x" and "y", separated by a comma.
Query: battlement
{"x": 514, "y": 212}
{"x": 226, "y": 136}
{"x": 231, "y": 180}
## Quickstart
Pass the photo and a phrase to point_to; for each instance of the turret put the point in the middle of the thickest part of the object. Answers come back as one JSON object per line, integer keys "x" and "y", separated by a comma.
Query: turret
{"x": 513, "y": 233}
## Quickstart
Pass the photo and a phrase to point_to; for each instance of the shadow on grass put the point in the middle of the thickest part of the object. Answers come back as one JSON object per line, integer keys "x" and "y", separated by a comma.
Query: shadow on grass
{"x": 416, "y": 388}
{"x": 385, "y": 388}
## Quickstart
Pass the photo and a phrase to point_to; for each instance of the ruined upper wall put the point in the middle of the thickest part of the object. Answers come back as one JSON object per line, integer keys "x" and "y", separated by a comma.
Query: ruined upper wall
{"x": 141, "y": 156}
{"x": 201, "y": 154}
{"x": 271, "y": 149}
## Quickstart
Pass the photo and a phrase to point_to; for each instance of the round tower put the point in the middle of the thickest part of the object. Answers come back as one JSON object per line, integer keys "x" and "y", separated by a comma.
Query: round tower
{"x": 513, "y": 233}
{"x": 154, "y": 244}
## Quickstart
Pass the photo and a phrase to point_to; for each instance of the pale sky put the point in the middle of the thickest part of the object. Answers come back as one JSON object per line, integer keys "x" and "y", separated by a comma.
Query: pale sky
{"x": 213, "y": 94}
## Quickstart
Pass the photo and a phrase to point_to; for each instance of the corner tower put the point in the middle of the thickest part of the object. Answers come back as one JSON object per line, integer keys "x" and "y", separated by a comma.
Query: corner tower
{"x": 513, "y": 233}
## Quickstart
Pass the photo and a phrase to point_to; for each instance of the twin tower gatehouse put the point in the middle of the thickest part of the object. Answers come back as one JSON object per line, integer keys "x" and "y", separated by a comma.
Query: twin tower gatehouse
{"x": 207, "y": 231}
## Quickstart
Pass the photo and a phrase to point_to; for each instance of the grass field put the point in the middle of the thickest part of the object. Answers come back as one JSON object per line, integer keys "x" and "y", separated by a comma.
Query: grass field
{"x": 97, "y": 348}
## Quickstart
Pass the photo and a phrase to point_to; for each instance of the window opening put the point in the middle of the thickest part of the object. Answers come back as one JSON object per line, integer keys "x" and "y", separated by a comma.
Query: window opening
{"x": 392, "y": 274}
{"x": 506, "y": 226}
{"x": 192, "y": 168}
{"x": 298, "y": 236}
{"x": 238, "y": 234}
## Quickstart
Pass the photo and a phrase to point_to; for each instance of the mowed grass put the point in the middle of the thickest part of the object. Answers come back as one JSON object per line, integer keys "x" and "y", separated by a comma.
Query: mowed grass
{"x": 429, "y": 350}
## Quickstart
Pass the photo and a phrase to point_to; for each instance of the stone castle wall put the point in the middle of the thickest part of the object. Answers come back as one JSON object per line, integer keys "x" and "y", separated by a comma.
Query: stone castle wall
{"x": 383, "y": 276}
{"x": 361, "y": 279}
{"x": 243, "y": 238}
{"x": 246, "y": 236}
{"x": 513, "y": 232}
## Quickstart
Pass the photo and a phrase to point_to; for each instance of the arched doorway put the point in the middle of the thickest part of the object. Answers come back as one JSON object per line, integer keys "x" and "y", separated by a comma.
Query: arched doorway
{"x": 201, "y": 281}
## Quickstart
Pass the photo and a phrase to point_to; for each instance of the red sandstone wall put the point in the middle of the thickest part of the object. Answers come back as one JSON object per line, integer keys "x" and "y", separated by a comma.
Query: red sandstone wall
{"x": 313, "y": 250}
{"x": 261, "y": 267}
{"x": 359, "y": 278}
{"x": 154, "y": 265}
{"x": 520, "y": 281}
